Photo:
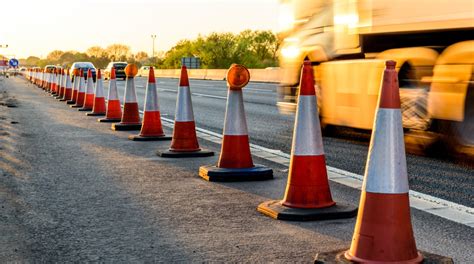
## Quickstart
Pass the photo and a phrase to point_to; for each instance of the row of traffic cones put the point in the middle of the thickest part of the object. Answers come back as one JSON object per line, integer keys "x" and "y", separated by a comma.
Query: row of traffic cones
{"x": 383, "y": 231}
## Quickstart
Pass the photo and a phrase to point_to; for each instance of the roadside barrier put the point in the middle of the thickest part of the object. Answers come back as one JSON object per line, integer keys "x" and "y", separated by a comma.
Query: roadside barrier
{"x": 307, "y": 196}
{"x": 81, "y": 90}
{"x": 130, "y": 117}
{"x": 89, "y": 93}
{"x": 114, "y": 110}
{"x": 98, "y": 108}
{"x": 67, "y": 87}
{"x": 185, "y": 142}
{"x": 383, "y": 231}
{"x": 75, "y": 86}
{"x": 152, "y": 129}
{"x": 235, "y": 161}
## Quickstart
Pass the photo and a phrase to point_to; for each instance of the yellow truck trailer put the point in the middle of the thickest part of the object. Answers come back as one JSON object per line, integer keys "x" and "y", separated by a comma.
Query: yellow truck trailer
{"x": 348, "y": 41}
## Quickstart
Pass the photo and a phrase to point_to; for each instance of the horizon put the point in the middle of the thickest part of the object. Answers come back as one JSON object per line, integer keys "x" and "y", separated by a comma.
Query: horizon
{"x": 196, "y": 18}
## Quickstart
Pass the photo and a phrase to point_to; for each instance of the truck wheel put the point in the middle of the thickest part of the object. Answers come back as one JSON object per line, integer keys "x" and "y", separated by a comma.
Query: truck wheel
{"x": 460, "y": 135}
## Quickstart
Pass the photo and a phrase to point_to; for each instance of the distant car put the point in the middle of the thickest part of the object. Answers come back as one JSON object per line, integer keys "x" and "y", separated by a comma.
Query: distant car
{"x": 143, "y": 71}
{"x": 119, "y": 70}
{"x": 81, "y": 65}
{"x": 22, "y": 69}
{"x": 50, "y": 68}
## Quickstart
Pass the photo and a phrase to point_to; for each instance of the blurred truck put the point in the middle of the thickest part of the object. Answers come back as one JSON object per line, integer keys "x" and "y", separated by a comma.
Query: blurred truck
{"x": 348, "y": 41}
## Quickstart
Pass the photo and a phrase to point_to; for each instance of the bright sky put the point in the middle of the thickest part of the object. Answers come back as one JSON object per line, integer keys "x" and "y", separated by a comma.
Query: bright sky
{"x": 36, "y": 27}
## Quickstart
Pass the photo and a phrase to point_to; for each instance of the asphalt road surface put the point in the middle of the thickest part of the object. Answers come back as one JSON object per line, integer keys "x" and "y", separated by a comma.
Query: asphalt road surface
{"x": 73, "y": 190}
{"x": 447, "y": 179}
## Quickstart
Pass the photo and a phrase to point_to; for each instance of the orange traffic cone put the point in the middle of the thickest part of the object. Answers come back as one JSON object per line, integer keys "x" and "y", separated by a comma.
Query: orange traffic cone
{"x": 46, "y": 79}
{"x": 131, "y": 116}
{"x": 307, "y": 196}
{"x": 383, "y": 232}
{"x": 184, "y": 143}
{"x": 81, "y": 90}
{"x": 235, "y": 162}
{"x": 89, "y": 93}
{"x": 61, "y": 85}
{"x": 75, "y": 86}
{"x": 114, "y": 109}
{"x": 151, "y": 125}
{"x": 98, "y": 108}
{"x": 67, "y": 87}
{"x": 52, "y": 84}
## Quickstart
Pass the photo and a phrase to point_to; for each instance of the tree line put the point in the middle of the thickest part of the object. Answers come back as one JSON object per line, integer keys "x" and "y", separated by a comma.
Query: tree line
{"x": 255, "y": 49}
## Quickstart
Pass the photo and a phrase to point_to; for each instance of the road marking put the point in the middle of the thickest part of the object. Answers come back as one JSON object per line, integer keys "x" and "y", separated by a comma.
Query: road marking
{"x": 433, "y": 205}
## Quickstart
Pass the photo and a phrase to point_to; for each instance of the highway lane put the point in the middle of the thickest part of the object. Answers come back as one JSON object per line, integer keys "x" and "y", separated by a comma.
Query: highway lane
{"x": 268, "y": 128}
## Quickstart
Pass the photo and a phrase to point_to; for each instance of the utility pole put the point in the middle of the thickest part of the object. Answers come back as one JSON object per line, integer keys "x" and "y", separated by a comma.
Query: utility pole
{"x": 153, "y": 37}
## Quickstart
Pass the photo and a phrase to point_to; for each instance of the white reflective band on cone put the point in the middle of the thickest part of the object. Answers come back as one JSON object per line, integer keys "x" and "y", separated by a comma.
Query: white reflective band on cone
{"x": 90, "y": 86}
{"x": 68, "y": 82}
{"x": 235, "y": 123}
{"x": 151, "y": 98}
{"x": 81, "y": 84}
{"x": 63, "y": 80}
{"x": 130, "y": 95}
{"x": 75, "y": 84}
{"x": 99, "y": 89}
{"x": 386, "y": 168}
{"x": 307, "y": 140}
{"x": 112, "y": 93}
{"x": 184, "y": 105}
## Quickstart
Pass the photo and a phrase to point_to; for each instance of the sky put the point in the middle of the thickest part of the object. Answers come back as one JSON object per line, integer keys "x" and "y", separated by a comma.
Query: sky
{"x": 36, "y": 27}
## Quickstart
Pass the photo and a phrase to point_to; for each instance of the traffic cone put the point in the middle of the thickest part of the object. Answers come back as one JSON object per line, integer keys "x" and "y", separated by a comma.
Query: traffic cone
{"x": 52, "y": 82}
{"x": 383, "y": 231}
{"x": 131, "y": 116}
{"x": 67, "y": 87}
{"x": 57, "y": 81}
{"x": 81, "y": 91}
{"x": 61, "y": 86}
{"x": 235, "y": 161}
{"x": 75, "y": 86}
{"x": 114, "y": 109}
{"x": 307, "y": 195}
{"x": 98, "y": 109}
{"x": 184, "y": 143}
{"x": 89, "y": 93}
{"x": 151, "y": 126}
{"x": 46, "y": 80}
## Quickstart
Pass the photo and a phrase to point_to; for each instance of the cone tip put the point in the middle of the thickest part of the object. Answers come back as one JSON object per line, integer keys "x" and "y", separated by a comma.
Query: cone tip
{"x": 307, "y": 79}
{"x": 89, "y": 73}
{"x": 99, "y": 74}
{"x": 183, "y": 79}
{"x": 390, "y": 64}
{"x": 151, "y": 75}
{"x": 112, "y": 73}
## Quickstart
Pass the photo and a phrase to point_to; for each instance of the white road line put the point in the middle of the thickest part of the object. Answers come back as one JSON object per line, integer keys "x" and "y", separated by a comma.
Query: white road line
{"x": 433, "y": 205}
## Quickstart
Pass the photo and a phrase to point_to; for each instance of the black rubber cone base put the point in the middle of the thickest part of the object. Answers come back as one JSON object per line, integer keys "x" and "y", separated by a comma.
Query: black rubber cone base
{"x": 337, "y": 257}
{"x": 95, "y": 114}
{"x": 70, "y": 102}
{"x": 142, "y": 138}
{"x": 257, "y": 173}
{"x": 84, "y": 109}
{"x": 276, "y": 210}
{"x": 62, "y": 100}
{"x": 109, "y": 120}
{"x": 75, "y": 106}
{"x": 126, "y": 127}
{"x": 185, "y": 154}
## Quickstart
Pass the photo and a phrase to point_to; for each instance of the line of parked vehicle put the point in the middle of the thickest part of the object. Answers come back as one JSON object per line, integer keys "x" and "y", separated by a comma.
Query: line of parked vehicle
{"x": 85, "y": 66}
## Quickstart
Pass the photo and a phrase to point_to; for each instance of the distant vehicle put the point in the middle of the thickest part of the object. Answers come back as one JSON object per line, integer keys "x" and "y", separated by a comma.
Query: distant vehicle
{"x": 81, "y": 65}
{"x": 143, "y": 71}
{"x": 119, "y": 70}
{"x": 22, "y": 69}
{"x": 50, "y": 68}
